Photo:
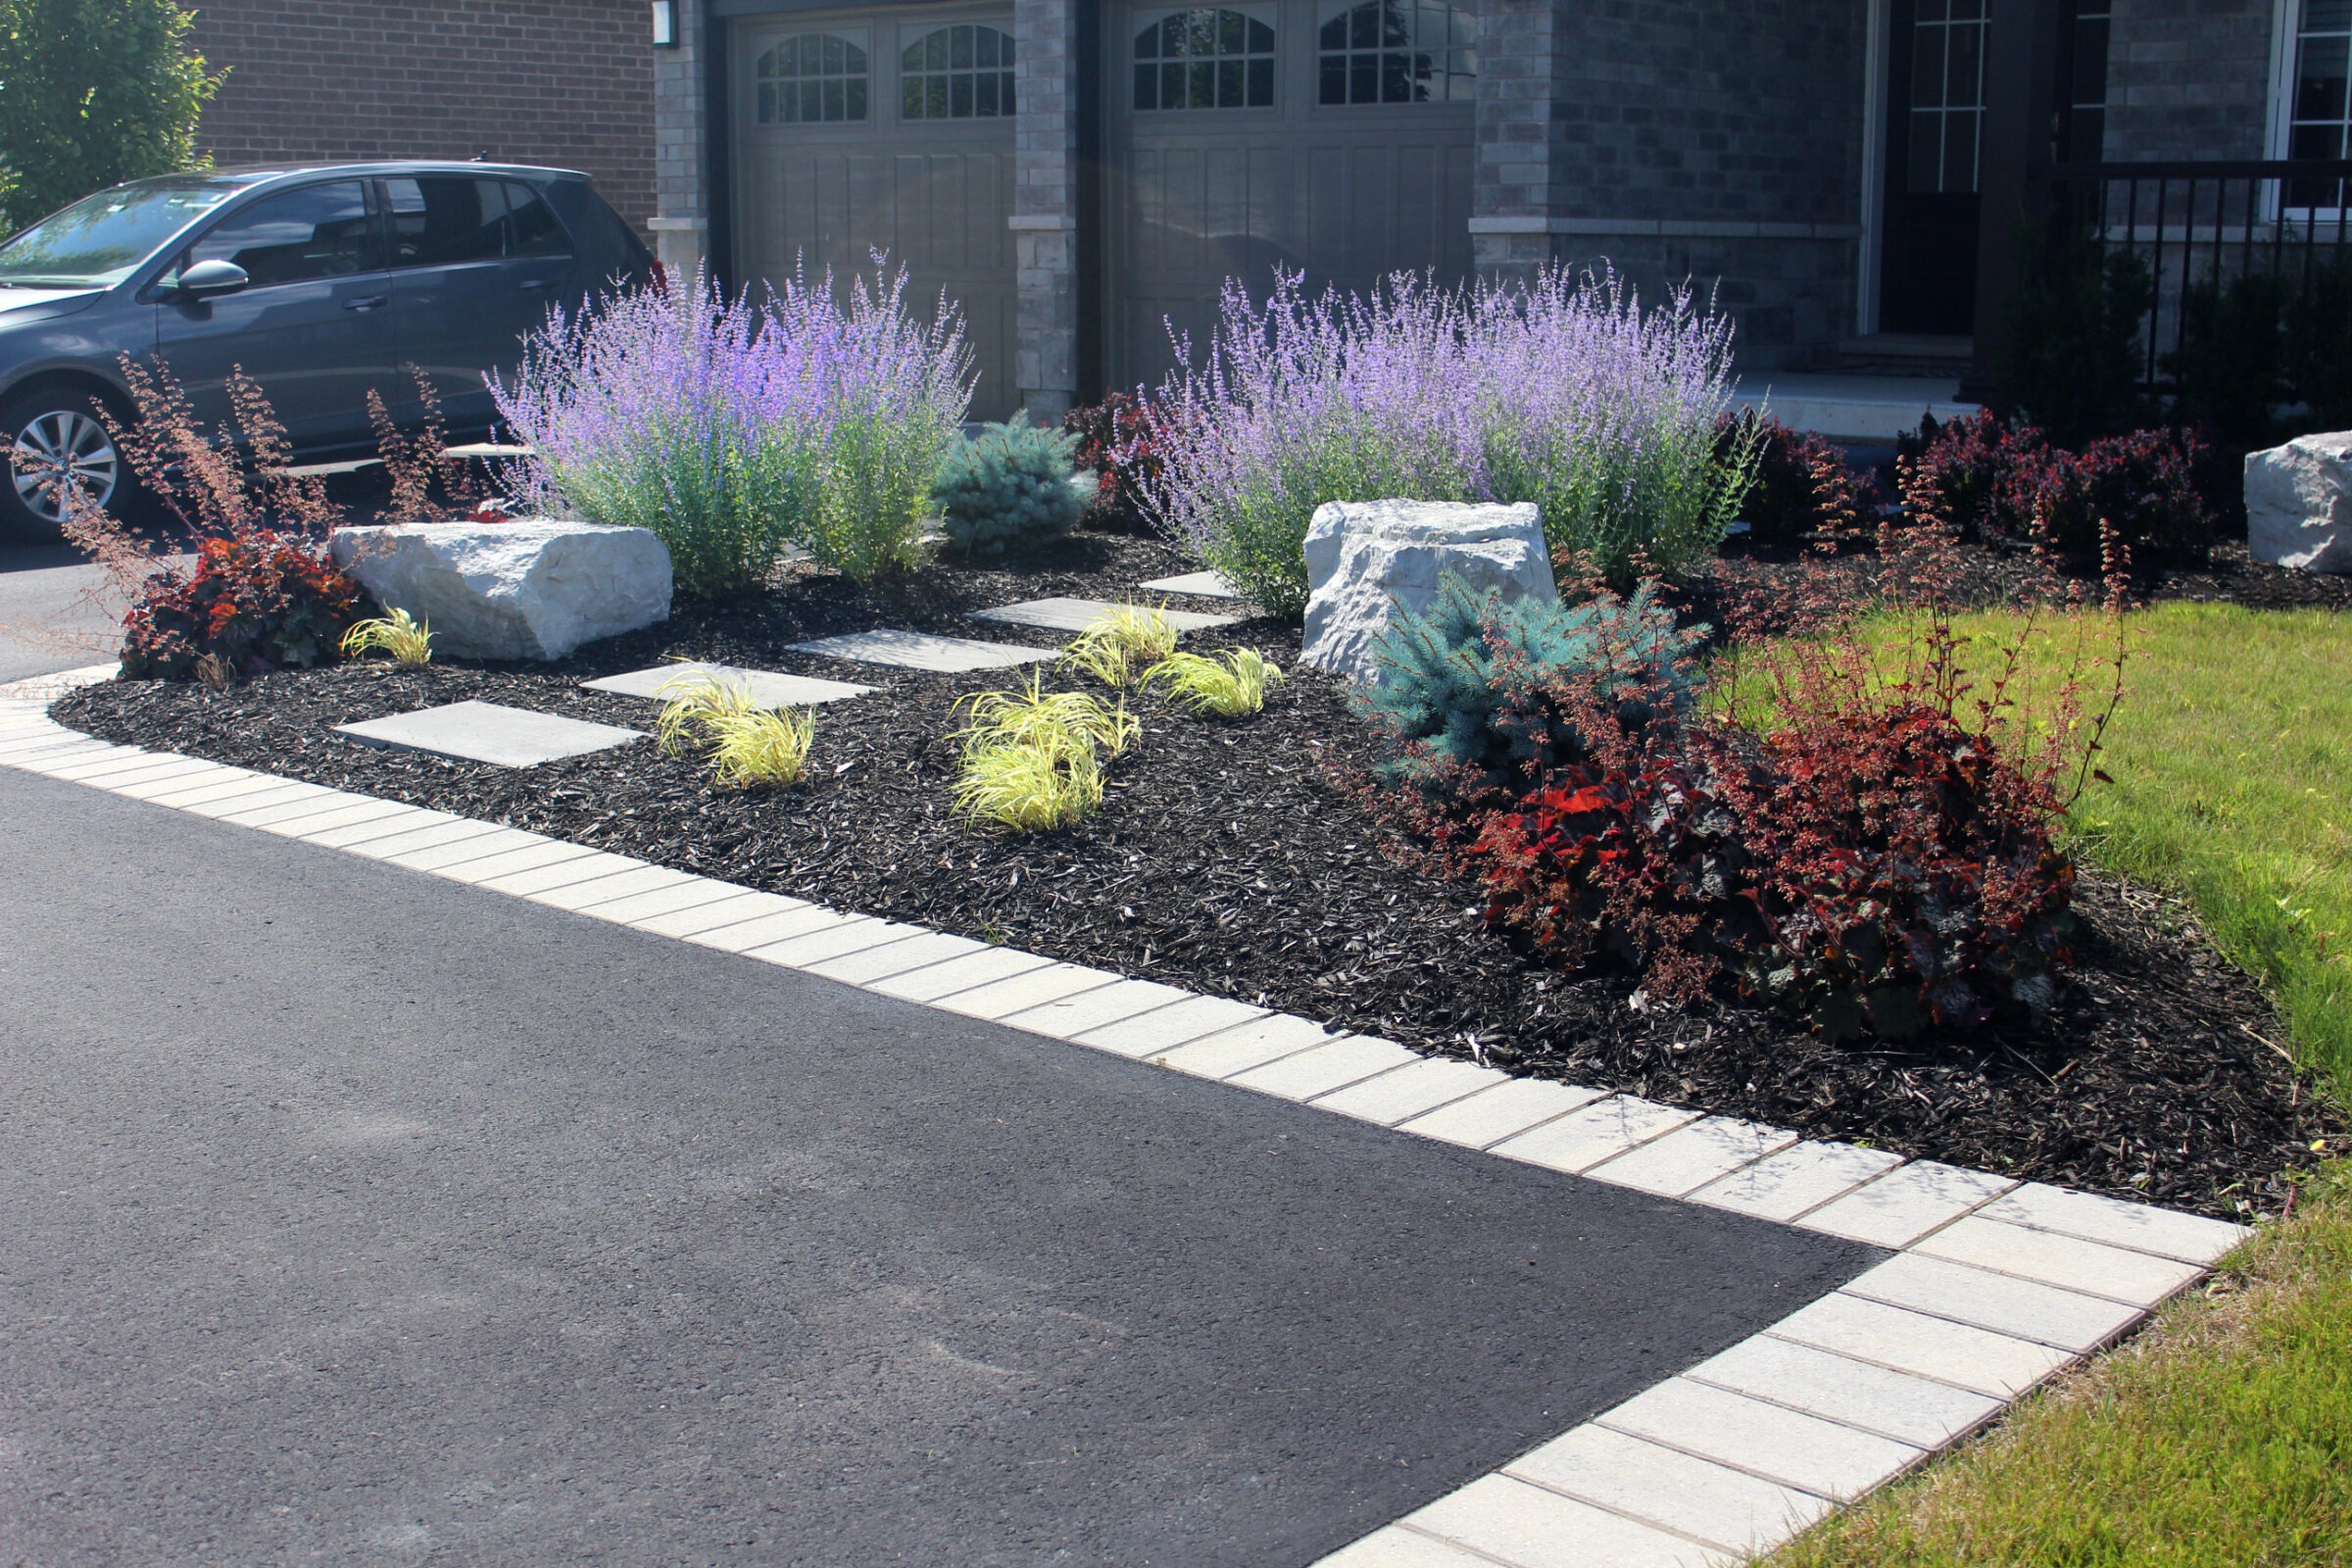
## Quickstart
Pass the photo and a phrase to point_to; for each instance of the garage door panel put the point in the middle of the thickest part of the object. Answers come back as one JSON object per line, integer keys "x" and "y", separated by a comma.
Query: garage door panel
{"x": 935, "y": 195}
{"x": 1195, "y": 195}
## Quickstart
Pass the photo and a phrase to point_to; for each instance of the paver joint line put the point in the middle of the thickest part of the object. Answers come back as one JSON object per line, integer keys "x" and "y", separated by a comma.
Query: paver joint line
{"x": 1991, "y": 1286}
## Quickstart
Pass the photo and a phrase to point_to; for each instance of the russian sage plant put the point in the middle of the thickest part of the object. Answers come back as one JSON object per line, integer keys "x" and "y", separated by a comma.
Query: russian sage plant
{"x": 735, "y": 430}
{"x": 670, "y": 412}
{"x": 1562, "y": 391}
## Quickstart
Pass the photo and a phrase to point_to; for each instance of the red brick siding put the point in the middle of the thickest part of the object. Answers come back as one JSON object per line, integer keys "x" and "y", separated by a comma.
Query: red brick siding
{"x": 567, "y": 85}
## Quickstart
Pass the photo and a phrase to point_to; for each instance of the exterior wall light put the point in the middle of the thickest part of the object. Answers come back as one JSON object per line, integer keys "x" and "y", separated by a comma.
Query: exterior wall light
{"x": 666, "y": 24}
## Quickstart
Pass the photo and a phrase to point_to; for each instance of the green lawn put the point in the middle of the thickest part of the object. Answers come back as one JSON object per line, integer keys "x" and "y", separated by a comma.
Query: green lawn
{"x": 2222, "y": 1438}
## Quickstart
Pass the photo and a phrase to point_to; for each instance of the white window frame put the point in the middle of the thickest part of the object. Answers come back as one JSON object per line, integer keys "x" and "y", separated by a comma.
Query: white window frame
{"x": 2287, "y": 18}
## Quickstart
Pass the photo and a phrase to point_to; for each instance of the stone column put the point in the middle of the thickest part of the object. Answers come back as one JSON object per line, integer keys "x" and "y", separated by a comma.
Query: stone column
{"x": 1513, "y": 197}
{"x": 1044, "y": 207}
{"x": 682, "y": 198}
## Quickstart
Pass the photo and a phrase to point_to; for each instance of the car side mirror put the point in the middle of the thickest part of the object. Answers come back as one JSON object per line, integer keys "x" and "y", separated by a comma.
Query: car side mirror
{"x": 206, "y": 280}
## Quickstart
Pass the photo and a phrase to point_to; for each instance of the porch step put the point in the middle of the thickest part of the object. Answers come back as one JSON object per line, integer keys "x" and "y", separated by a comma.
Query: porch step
{"x": 1904, "y": 354}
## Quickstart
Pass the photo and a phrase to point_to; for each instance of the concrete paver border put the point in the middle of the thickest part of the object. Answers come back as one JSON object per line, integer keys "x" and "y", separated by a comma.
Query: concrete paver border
{"x": 1993, "y": 1285}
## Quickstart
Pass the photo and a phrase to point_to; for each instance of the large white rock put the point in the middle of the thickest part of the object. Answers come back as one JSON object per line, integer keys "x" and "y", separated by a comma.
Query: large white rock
{"x": 2299, "y": 503}
{"x": 534, "y": 588}
{"x": 1368, "y": 560}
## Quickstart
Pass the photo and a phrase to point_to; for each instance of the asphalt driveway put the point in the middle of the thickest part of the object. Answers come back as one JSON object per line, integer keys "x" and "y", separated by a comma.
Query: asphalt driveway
{"x": 348, "y": 1215}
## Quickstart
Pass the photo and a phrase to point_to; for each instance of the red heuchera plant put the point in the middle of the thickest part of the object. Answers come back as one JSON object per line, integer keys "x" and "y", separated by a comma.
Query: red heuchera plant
{"x": 1117, "y": 440}
{"x": 255, "y": 600}
{"x": 1862, "y": 832}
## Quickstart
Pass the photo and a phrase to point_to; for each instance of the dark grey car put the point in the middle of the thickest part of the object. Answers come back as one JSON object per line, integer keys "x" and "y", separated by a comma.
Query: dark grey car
{"x": 322, "y": 282}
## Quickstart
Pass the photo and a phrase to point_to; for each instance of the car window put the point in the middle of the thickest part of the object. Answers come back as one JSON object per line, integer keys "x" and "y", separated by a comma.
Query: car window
{"x": 101, "y": 240}
{"x": 294, "y": 236}
{"x": 449, "y": 220}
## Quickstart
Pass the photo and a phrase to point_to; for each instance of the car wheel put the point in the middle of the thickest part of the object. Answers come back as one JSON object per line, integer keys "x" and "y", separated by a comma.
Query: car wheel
{"x": 57, "y": 448}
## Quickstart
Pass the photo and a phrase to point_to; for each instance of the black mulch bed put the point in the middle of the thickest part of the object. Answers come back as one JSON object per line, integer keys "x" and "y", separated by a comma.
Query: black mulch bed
{"x": 1230, "y": 858}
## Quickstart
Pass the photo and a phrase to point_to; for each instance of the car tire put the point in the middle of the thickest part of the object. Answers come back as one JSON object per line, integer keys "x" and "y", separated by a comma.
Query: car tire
{"x": 48, "y": 433}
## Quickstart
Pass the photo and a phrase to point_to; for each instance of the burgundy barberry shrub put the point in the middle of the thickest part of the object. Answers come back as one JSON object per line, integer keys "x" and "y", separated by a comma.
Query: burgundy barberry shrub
{"x": 1118, "y": 442}
{"x": 256, "y": 600}
{"x": 1967, "y": 465}
{"x": 2143, "y": 483}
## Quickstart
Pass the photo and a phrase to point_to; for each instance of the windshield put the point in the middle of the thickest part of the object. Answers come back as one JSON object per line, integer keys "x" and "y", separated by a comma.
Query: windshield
{"x": 99, "y": 240}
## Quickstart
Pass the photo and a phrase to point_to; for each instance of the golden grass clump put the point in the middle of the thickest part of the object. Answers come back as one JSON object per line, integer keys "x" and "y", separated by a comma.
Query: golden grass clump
{"x": 407, "y": 640}
{"x": 1033, "y": 760}
{"x": 1231, "y": 687}
{"x": 1121, "y": 641}
{"x": 749, "y": 747}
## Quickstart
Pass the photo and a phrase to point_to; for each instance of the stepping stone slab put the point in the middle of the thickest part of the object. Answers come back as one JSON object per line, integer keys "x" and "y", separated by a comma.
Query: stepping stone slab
{"x": 1200, "y": 584}
{"x": 486, "y": 732}
{"x": 770, "y": 688}
{"x": 1076, "y": 614}
{"x": 916, "y": 649}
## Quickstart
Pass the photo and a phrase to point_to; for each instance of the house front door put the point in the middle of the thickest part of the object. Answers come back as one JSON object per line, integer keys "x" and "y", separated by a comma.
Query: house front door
{"x": 1934, "y": 128}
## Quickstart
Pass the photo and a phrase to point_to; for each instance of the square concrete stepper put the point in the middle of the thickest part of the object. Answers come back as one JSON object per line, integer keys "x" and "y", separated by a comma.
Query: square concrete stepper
{"x": 770, "y": 688}
{"x": 1076, "y": 614}
{"x": 916, "y": 649}
{"x": 486, "y": 732}
{"x": 1200, "y": 584}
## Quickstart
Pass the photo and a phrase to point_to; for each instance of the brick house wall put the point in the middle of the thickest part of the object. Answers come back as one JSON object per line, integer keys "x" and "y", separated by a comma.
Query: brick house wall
{"x": 2188, "y": 78}
{"x": 567, "y": 83}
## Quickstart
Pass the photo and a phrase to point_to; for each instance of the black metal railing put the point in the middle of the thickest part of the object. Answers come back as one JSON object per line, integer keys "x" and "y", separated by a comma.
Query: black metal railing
{"x": 2201, "y": 227}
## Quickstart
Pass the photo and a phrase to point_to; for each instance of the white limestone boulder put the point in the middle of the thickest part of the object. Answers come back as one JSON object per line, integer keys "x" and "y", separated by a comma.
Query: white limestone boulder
{"x": 2299, "y": 503}
{"x": 1369, "y": 560}
{"x": 535, "y": 588}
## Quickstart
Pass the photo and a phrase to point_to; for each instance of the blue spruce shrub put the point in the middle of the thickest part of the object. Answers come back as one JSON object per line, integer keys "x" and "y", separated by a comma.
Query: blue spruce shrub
{"x": 1011, "y": 487}
{"x": 1471, "y": 690}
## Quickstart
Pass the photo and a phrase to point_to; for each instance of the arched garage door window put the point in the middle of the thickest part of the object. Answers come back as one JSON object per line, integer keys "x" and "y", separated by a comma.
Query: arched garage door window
{"x": 1398, "y": 52}
{"x": 811, "y": 77}
{"x": 1205, "y": 59}
{"x": 959, "y": 72}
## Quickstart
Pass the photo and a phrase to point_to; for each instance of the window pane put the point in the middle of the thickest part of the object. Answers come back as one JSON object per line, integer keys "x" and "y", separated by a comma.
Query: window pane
{"x": 1963, "y": 78}
{"x": 531, "y": 226}
{"x": 911, "y": 100}
{"x": 1364, "y": 27}
{"x": 767, "y": 104}
{"x": 1231, "y": 29}
{"x": 959, "y": 48}
{"x": 2320, "y": 83}
{"x": 297, "y": 236}
{"x": 1926, "y": 68}
{"x": 2327, "y": 16}
{"x": 985, "y": 86}
{"x": 1229, "y": 85}
{"x": 1334, "y": 79}
{"x": 1960, "y": 152}
{"x": 856, "y": 95}
{"x": 1147, "y": 86}
{"x": 1202, "y": 93}
{"x": 1363, "y": 80}
{"x": 836, "y": 101}
{"x": 1261, "y": 84}
{"x": 1927, "y": 150}
{"x": 1262, "y": 38}
{"x": 984, "y": 50}
{"x": 1335, "y": 32}
{"x": 1395, "y": 83}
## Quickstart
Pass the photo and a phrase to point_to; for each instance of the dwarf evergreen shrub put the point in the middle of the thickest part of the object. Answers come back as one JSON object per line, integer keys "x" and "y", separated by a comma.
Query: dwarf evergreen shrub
{"x": 1471, "y": 689}
{"x": 1012, "y": 487}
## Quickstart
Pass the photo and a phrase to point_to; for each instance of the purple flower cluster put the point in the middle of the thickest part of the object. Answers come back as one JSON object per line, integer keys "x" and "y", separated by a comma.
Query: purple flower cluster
{"x": 735, "y": 430}
{"x": 1562, "y": 391}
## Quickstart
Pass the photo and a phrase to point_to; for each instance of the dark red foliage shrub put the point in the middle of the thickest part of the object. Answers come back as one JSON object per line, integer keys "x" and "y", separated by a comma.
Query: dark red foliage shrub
{"x": 2144, "y": 483}
{"x": 1117, "y": 441}
{"x": 2007, "y": 484}
{"x": 256, "y": 600}
{"x": 1904, "y": 872}
{"x": 1802, "y": 484}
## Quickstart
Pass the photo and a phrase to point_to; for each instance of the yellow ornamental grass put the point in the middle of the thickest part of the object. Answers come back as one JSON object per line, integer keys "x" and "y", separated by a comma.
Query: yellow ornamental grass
{"x": 407, "y": 640}
{"x": 1034, "y": 716}
{"x": 1234, "y": 687}
{"x": 1121, "y": 641}
{"x": 1030, "y": 786}
{"x": 749, "y": 747}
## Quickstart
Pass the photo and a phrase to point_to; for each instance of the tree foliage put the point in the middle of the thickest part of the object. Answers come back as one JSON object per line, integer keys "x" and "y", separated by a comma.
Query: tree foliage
{"x": 92, "y": 93}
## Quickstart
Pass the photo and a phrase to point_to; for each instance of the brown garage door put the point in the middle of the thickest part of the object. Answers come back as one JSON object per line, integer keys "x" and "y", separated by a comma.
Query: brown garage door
{"x": 1329, "y": 136}
{"x": 885, "y": 129}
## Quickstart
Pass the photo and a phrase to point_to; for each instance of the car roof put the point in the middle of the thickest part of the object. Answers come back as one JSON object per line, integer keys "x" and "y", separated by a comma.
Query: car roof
{"x": 250, "y": 175}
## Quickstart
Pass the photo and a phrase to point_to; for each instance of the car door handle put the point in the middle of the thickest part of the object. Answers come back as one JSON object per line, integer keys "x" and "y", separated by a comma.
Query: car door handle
{"x": 536, "y": 285}
{"x": 373, "y": 302}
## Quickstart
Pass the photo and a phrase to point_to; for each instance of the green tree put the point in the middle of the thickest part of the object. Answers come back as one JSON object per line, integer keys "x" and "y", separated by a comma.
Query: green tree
{"x": 94, "y": 93}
